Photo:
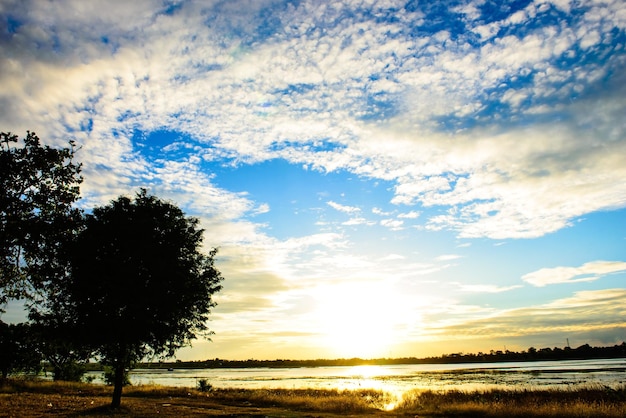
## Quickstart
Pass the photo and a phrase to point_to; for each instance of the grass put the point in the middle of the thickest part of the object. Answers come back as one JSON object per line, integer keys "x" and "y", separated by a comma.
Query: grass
{"x": 23, "y": 398}
{"x": 587, "y": 401}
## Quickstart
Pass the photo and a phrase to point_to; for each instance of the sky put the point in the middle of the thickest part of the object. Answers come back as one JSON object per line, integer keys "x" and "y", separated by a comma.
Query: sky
{"x": 382, "y": 178}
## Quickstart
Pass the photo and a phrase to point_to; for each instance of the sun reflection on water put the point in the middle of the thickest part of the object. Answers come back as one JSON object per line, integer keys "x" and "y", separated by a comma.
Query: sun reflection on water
{"x": 373, "y": 377}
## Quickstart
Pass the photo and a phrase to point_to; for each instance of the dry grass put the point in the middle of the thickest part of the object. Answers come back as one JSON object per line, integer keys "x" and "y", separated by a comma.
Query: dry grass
{"x": 327, "y": 400}
{"x": 47, "y": 399}
{"x": 590, "y": 401}
{"x": 20, "y": 398}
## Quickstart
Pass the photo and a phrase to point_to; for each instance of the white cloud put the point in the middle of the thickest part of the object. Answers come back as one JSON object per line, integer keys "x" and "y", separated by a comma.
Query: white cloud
{"x": 393, "y": 224}
{"x": 392, "y": 257}
{"x": 262, "y": 208}
{"x": 591, "y": 271}
{"x": 380, "y": 212}
{"x": 357, "y": 221}
{"x": 410, "y": 215}
{"x": 202, "y": 72}
{"x": 486, "y": 288}
{"x": 343, "y": 208}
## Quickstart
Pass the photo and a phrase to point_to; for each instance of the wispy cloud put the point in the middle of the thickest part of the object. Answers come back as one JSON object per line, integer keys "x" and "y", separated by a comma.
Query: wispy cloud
{"x": 591, "y": 271}
{"x": 343, "y": 208}
{"x": 585, "y": 311}
{"x": 357, "y": 221}
{"x": 486, "y": 288}
{"x": 393, "y": 224}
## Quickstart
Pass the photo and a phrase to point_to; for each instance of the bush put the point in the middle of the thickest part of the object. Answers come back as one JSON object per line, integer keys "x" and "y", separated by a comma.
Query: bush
{"x": 204, "y": 385}
{"x": 72, "y": 371}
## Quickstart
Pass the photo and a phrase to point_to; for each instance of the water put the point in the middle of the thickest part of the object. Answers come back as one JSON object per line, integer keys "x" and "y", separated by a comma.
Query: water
{"x": 398, "y": 379}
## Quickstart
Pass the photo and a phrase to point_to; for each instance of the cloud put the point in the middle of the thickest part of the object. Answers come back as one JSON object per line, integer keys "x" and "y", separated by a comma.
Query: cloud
{"x": 392, "y": 257}
{"x": 380, "y": 212}
{"x": 587, "y": 272}
{"x": 343, "y": 208}
{"x": 357, "y": 221}
{"x": 410, "y": 215}
{"x": 486, "y": 288}
{"x": 585, "y": 312}
{"x": 443, "y": 116}
{"x": 262, "y": 208}
{"x": 393, "y": 224}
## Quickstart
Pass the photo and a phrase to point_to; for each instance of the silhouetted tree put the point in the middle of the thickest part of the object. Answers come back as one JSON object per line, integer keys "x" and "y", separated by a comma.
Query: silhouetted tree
{"x": 17, "y": 350}
{"x": 140, "y": 284}
{"x": 38, "y": 185}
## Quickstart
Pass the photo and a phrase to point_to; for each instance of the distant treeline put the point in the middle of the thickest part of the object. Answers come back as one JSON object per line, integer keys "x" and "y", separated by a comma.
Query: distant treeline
{"x": 584, "y": 352}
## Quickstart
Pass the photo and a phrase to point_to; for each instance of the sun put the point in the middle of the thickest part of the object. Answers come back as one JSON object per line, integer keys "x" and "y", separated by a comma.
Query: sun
{"x": 359, "y": 320}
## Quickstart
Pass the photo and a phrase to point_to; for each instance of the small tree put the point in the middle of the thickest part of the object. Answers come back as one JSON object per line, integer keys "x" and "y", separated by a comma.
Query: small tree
{"x": 38, "y": 186}
{"x": 59, "y": 344}
{"x": 140, "y": 284}
{"x": 17, "y": 350}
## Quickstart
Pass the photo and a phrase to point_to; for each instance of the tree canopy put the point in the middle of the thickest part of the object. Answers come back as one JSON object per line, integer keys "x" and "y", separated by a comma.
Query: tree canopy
{"x": 140, "y": 284}
{"x": 38, "y": 187}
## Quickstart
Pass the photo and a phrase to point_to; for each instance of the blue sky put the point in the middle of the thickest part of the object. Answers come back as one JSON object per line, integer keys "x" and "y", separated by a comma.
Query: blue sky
{"x": 382, "y": 178}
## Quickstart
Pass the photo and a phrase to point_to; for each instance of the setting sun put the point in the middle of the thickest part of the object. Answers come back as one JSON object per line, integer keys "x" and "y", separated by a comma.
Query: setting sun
{"x": 359, "y": 320}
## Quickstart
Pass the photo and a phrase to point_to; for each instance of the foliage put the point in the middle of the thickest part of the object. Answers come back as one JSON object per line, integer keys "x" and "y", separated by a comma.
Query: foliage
{"x": 17, "y": 350}
{"x": 109, "y": 377}
{"x": 69, "y": 371}
{"x": 38, "y": 185}
{"x": 204, "y": 385}
{"x": 58, "y": 345}
{"x": 140, "y": 284}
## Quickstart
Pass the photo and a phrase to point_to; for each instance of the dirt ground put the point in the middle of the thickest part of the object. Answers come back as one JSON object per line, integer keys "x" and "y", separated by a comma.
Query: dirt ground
{"x": 22, "y": 405}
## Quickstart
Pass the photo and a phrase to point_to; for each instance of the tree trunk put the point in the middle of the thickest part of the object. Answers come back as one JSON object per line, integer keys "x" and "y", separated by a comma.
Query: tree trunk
{"x": 118, "y": 384}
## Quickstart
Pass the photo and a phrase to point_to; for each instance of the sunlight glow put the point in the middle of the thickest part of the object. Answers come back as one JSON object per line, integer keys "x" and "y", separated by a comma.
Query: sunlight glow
{"x": 360, "y": 320}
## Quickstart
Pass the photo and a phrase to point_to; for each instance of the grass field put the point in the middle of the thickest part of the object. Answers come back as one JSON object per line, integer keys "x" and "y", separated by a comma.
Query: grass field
{"x": 22, "y": 398}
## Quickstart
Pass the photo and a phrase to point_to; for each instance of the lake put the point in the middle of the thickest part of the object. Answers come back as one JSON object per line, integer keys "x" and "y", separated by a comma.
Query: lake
{"x": 397, "y": 379}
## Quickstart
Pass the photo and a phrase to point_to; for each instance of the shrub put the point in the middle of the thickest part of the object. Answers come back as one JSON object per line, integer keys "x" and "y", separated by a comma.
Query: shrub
{"x": 204, "y": 385}
{"x": 71, "y": 371}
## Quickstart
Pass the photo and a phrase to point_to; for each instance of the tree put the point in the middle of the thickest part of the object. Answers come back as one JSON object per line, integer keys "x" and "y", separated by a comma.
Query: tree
{"x": 38, "y": 186}
{"x": 18, "y": 351}
{"x": 58, "y": 343}
{"x": 140, "y": 285}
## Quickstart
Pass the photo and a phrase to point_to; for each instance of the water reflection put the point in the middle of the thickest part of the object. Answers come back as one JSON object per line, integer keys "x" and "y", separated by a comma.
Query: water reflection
{"x": 398, "y": 379}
